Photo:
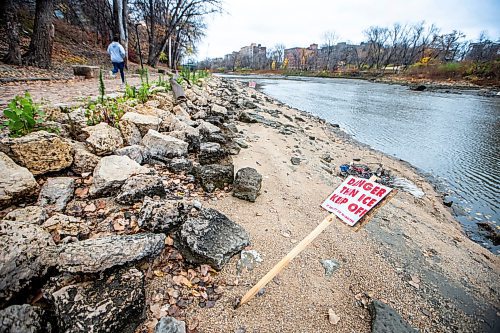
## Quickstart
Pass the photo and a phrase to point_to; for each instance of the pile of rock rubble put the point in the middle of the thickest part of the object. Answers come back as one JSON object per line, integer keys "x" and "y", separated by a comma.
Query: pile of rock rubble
{"x": 84, "y": 208}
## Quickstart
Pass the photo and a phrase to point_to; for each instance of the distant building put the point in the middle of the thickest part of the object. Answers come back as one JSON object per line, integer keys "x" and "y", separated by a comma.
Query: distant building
{"x": 301, "y": 57}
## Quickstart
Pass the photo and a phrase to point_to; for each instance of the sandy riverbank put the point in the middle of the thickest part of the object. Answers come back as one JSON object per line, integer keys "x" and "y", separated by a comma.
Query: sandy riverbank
{"x": 413, "y": 254}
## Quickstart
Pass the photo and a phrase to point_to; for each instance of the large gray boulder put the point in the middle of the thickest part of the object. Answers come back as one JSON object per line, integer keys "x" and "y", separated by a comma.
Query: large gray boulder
{"x": 219, "y": 110}
{"x": 161, "y": 215}
{"x": 84, "y": 161}
{"x": 211, "y": 238}
{"x": 211, "y": 153}
{"x": 386, "y": 320}
{"x": 190, "y": 135}
{"x": 21, "y": 256}
{"x": 214, "y": 176}
{"x": 103, "y": 139}
{"x": 162, "y": 146}
{"x": 98, "y": 254}
{"x": 170, "y": 325}
{"x": 113, "y": 303}
{"x": 111, "y": 173}
{"x": 143, "y": 122}
{"x": 247, "y": 184}
{"x": 179, "y": 164}
{"x": 56, "y": 193}
{"x": 207, "y": 128}
{"x": 40, "y": 152}
{"x": 24, "y": 319}
{"x": 139, "y": 186}
{"x": 135, "y": 152}
{"x": 16, "y": 182}
{"x": 28, "y": 214}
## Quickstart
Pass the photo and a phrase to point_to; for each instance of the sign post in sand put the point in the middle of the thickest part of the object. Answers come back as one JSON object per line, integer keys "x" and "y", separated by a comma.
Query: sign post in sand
{"x": 354, "y": 200}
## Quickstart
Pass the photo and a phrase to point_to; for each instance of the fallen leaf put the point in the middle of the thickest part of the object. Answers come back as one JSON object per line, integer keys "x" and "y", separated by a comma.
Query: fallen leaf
{"x": 193, "y": 323}
{"x": 182, "y": 280}
{"x": 101, "y": 204}
{"x": 332, "y": 317}
{"x": 169, "y": 241}
{"x": 81, "y": 192}
{"x": 90, "y": 208}
{"x": 117, "y": 226}
{"x": 159, "y": 273}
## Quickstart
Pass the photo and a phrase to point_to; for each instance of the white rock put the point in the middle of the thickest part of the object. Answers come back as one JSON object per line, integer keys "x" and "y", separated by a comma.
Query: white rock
{"x": 103, "y": 139}
{"x": 111, "y": 172}
{"x": 15, "y": 181}
{"x": 207, "y": 128}
{"x": 219, "y": 110}
{"x": 143, "y": 122}
{"x": 164, "y": 146}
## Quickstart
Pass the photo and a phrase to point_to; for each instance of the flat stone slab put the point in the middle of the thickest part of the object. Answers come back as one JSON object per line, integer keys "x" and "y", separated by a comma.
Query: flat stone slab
{"x": 96, "y": 255}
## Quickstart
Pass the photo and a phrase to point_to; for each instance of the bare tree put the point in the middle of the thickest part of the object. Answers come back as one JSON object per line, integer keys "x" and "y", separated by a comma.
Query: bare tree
{"x": 327, "y": 49}
{"x": 448, "y": 46}
{"x": 165, "y": 18}
{"x": 377, "y": 37}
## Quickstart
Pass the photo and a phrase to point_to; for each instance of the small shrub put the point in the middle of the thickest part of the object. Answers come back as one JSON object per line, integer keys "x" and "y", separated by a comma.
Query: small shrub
{"x": 143, "y": 93}
{"x": 22, "y": 115}
{"x": 110, "y": 112}
{"x": 163, "y": 57}
{"x": 130, "y": 92}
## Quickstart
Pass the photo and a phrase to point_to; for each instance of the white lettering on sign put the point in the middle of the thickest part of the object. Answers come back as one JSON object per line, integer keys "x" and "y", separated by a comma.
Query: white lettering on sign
{"x": 354, "y": 198}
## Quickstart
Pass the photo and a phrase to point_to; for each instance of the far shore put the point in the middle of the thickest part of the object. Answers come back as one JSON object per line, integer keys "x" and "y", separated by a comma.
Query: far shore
{"x": 447, "y": 86}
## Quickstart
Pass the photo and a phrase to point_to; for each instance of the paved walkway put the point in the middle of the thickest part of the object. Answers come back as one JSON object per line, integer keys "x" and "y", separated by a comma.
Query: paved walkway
{"x": 64, "y": 91}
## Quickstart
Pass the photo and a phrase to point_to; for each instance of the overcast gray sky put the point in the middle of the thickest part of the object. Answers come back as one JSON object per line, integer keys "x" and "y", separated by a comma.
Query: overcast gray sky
{"x": 302, "y": 22}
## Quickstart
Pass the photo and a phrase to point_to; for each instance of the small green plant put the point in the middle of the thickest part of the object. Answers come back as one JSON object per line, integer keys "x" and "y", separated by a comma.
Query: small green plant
{"x": 102, "y": 89}
{"x": 163, "y": 83}
{"x": 22, "y": 115}
{"x": 143, "y": 93}
{"x": 163, "y": 57}
{"x": 144, "y": 73}
{"x": 110, "y": 112}
{"x": 130, "y": 91}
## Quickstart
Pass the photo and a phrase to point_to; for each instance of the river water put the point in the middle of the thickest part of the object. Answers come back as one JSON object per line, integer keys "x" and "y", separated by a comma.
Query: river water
{"x": 452, "y": 138}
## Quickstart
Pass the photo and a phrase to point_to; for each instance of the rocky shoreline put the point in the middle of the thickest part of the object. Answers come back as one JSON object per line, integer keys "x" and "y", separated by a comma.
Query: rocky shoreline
{"x": 132, "y": 228}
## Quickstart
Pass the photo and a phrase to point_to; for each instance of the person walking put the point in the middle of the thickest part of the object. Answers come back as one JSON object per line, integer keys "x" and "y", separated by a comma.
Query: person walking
{"x": 118, "y": 58}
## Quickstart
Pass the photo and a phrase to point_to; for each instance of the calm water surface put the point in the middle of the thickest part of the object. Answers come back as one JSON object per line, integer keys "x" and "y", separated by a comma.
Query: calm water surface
{"x": 453, "y": 138}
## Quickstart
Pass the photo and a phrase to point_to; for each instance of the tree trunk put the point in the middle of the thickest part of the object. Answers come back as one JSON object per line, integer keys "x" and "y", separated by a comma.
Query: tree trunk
{"x": 124, "y": 26}
{"x": 40, "y": 49}
{"x": 13, "y": 56}
{"x": 151, "y": 36}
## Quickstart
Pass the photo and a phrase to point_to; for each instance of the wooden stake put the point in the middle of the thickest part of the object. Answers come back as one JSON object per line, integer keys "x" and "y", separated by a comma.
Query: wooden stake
{"x": 286, "y": 260}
